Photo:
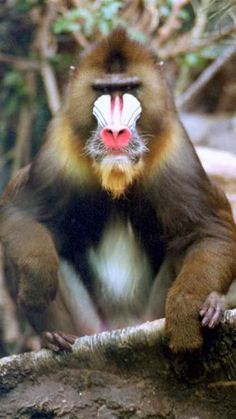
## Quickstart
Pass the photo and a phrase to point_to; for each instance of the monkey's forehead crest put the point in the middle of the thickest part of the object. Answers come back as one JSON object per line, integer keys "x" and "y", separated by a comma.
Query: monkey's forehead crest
{"x": 130, "y": 109}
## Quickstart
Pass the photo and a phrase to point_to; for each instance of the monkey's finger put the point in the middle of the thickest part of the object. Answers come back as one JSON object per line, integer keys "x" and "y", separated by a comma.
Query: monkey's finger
{"x": 211, "y": 301}
{"x": 48, "y": 336}
{"x": 216, "y": 318}
{"x": 61, "y": 342}
{"x": 48, "y": 342}
{"x": 205, "y": 308}
{"x": 52, "y": 347}
{"x": 208, "y": 316}
{"x": 69, "y": 338}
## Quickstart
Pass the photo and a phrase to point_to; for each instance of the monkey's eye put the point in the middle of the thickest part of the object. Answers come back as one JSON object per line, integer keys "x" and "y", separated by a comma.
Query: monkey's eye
{"x": 131, "y": 89}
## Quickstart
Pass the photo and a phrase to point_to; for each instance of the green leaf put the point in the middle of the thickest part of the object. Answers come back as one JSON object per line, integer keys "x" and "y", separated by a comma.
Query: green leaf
{"x": 26, "y": 5}
{"x": 75, "y": 20}
{"x": 165, "y": 11}
{"x": 64, "y": 25}
{"x": 194, "y": 60}
{"x": 104, "y": 27}
{"x": 13, "y": 79}
{"x": 110, "y": 10}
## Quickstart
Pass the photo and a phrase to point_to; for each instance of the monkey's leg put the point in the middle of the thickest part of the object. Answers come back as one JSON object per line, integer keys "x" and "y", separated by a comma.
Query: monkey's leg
{"x": 71, "y": 314}
{"x": 49, "y": 322}
{"x": 231, "y": 295}
{"x": 161, "y": 285}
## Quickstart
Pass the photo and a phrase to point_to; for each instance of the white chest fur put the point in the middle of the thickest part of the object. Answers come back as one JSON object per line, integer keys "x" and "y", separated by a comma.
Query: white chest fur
{"x": 121, "y": 270}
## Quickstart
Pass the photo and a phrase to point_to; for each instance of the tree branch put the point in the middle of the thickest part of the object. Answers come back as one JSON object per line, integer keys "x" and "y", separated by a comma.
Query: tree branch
{"x": 47, "y": 45}
{"x": 24, "y": 127}
{"x": 173, "y": 22}
{"x": 21, "y": 63}
{"x": 184, "y": 100}
{"x": 113, "y": 350}
{"x": 186, "y": 43}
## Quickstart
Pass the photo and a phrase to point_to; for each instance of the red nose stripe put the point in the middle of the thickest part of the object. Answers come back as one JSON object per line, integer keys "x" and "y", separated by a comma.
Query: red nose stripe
{"x": 116, "y": 110}
{"x": 116, "y": 135}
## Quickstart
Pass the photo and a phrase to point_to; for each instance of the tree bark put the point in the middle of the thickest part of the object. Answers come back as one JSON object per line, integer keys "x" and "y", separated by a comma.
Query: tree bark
{"x": 127, "y": 373}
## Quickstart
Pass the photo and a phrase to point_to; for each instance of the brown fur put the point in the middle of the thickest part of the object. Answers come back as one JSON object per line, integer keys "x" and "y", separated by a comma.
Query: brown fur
{"x": 17, "y": 183}
{"x": 195, "y": 219}
{"x": 34, "y": 259}
{"x": 65, "y": 153}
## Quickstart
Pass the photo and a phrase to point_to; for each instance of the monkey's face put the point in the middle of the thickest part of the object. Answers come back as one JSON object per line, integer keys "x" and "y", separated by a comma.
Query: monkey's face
{"x": 116, "y": 147}
{"x": 117, "y": 107}
{"x": 116, "y": 138}
{"x": 116, "y": 119}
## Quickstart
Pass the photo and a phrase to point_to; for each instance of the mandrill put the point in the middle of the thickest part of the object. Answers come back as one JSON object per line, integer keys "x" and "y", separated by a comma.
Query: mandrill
{"x": 115, "y": 221}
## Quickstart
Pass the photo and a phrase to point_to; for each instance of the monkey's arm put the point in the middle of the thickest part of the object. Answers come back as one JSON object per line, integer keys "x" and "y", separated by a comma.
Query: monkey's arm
{"x": 30, "y": 256}
{"x": 209, "y": 265}
{"x": 200, "y": 235}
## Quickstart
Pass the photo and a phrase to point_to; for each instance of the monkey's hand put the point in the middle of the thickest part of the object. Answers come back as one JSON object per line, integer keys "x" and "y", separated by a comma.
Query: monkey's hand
{"x": 38, "y": 284}
{"x": 208, "y": 266}
{"x": 182, "y": 319}
{"x": 183, "y": 326}
{"x": 213, "y": 309}
{"x": 57, "y": 341}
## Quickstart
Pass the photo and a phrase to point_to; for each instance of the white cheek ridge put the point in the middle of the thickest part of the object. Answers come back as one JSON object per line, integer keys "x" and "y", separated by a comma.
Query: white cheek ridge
{"x": 131, "y": 110}
{"x": 121, "y": 267}
{"x": 102, "y": 110}
{"x": 130, "y": 113}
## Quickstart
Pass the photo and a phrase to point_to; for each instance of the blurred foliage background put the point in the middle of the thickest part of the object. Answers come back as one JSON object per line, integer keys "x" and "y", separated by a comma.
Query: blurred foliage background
{"x": 39, "y": 40}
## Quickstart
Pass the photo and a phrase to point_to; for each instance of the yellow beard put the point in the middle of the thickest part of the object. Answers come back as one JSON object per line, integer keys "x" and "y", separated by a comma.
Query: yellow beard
{"x": 117, "y": 174}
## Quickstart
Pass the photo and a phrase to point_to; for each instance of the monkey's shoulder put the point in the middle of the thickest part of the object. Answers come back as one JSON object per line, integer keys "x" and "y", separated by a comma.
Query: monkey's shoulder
{"x": 16, "y": 184}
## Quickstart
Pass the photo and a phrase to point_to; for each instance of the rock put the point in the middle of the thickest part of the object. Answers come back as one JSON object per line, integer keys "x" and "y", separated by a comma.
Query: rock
{"x": 216, "y": 131}
{"x": 221, "y": 167}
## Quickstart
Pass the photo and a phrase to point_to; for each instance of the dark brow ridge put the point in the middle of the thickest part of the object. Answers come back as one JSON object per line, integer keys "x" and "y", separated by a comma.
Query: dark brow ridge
{"x": 113, "y": 81}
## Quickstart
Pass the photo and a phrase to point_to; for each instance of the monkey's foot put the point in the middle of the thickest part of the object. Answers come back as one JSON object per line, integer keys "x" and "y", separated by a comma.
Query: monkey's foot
{"x": 58, "y": 341}
{"x": 212, "y": 310}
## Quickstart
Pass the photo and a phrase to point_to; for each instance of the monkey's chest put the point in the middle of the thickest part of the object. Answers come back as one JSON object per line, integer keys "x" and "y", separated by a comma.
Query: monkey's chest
{"x": 121, "y": 271}
{"x": 116, "y": 251}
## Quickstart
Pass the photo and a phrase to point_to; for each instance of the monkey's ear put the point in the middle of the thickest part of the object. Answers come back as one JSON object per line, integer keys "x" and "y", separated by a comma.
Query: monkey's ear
{"x": 160, "y": 64}
{"x": 72, "y": 71}
{"x": 161, "y": 67}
